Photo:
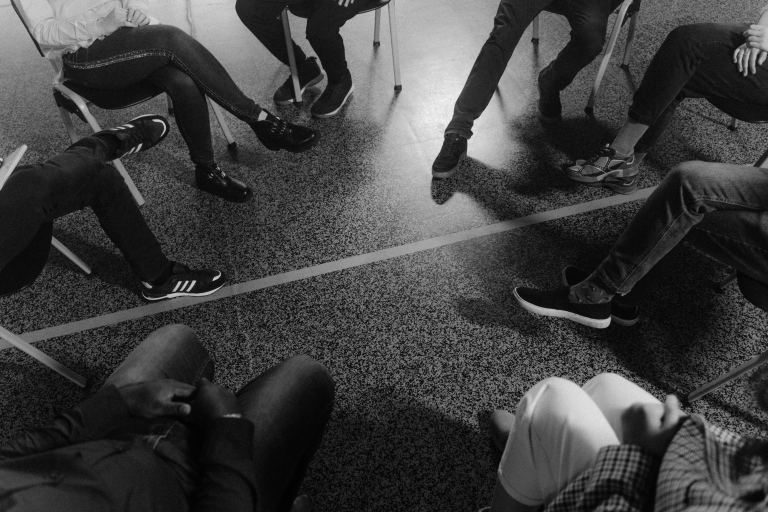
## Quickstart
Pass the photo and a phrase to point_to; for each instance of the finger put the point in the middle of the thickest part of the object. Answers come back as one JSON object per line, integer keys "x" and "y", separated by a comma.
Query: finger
{"x": 737, "y": 58}
{"x": 736, "y": 55}
{"x": 182, "y": 389}
{"x": 761, "y": 59}
{"x": 744, "y": 63}
{"x": 752, "y": 61}
{"x": 672, "y": 412}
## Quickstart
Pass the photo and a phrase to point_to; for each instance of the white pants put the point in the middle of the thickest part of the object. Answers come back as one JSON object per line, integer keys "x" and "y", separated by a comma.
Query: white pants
{"x": 558, "y": 430}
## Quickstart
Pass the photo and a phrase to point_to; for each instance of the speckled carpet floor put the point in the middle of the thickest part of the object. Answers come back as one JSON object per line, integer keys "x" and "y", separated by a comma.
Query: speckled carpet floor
{"x": 423, "y": 345}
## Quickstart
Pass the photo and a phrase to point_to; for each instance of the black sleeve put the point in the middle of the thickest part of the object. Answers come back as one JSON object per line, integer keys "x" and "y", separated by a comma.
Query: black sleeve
{"x": 92, "y": 419}
{"x": 228, "y": 480}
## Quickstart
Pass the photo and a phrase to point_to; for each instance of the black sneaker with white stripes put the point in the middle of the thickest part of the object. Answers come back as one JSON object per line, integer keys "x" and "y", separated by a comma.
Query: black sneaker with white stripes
{"x": 138, "y": 134}
{"x": 184, "y": 282}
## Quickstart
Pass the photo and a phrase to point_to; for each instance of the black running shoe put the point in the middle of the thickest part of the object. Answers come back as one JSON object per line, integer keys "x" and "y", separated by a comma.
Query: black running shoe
{"x": 333, "y": 99}
{"x": 212, "y": 179}
{"x": 277, "y": 134}
{"x": 137, "y": 135}
{"x": 555, "y": 303}
{"x": 308, "y": 76}
{"x": 622, "y": 312}
{"x": 447, "y": 160}
{"x": 184, "y": 282}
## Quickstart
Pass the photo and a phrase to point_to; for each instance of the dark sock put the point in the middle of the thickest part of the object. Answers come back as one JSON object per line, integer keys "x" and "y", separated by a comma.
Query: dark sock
{"x": 590, "y": 291}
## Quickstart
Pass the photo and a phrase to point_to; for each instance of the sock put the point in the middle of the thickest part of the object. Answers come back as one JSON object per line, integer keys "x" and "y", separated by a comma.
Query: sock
{"x": 590, "y": 291}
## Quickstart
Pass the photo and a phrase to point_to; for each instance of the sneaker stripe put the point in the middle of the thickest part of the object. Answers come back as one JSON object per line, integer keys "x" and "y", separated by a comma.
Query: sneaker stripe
{"x": 191, "y": 285}
{"x": 179, "y": 284}
{"x": 165, "y": 126}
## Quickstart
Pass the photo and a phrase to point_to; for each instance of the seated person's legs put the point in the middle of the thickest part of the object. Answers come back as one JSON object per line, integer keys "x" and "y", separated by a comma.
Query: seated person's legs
{"x": 588, "y": 20}
{"x": 325, "y": 20}
{"x": 165, "y": 46}
{"x": 170, "y": 352}
{"x": 289, "y": 406}
{"x": 687, "y": 195}
{"x": 694, "y": 61}
{"x": 512, "y": 18}
{"x": 80, "y": 178}
{"x": 555, "y": 434}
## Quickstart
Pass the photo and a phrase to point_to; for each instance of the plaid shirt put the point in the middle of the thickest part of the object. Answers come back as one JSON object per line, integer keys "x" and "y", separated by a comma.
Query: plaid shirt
{"x": 696, "y": 473}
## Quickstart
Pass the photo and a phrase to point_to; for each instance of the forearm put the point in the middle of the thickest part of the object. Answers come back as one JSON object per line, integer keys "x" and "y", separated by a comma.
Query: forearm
{"x": 92, "y": 419}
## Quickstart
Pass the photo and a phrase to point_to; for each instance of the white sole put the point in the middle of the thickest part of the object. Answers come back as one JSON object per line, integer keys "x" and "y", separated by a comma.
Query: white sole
{"x": 326, "y": 115}
{"x": 596, "y": 323}
{"x": 183, "y": 294}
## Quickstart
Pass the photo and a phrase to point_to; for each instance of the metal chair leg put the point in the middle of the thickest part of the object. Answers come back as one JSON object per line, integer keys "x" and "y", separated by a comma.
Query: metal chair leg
{"x": 590, "y": 108}
{"x": 231, "y": 142}
{"x": 732, "y": 124}
{"x": 395, "y": 44}
{"x": 630, "y": 40}
{"x": 74, "y": 258}
{"x": 377, "y": 28}
{"x": 291, "y": 57}
{"x": 734, "y": 373}
{"x": 535, "y": 30}
{"x": 47, "y": 360}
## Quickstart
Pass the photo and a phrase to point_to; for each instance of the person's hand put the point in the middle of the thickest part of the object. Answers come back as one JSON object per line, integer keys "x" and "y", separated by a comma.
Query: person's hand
{"x": 212, "y": 401}
{"x": 137, "y": 18}
{"x": 748, "y": 58}
{"x": 157, "y": 398}
{"x": 652, "y": 426}
{"x": 757, "y": 37}
{"x": 117, "y": 18}
{"x": 345, "y": 3}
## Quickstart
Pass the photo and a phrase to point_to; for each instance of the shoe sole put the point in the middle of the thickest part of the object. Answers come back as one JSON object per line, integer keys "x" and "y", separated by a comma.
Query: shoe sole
{"x": 599, "y": 178}
{"x": 326, "y": 115}
{"x": 450, "y": 172}
{"x": 314, "y": 81}
{"x": 596, "y": 323}
{"x": 624, "y": 322}
{"x": 297, "y": 149}
{"x": 183, "y": 294}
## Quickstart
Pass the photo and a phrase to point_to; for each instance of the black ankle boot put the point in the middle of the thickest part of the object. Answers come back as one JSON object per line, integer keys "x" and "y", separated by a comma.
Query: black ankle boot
{"x": 213, "y": 180}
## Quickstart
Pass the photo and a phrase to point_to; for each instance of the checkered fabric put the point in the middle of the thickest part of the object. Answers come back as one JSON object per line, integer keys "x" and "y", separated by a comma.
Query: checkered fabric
{"x": 622, "y": 478}
{"x": 697, "y": 473}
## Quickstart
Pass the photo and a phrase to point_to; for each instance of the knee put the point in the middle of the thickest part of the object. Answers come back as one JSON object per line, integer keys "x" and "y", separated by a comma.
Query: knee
{"x": 550, "y": 395}
{"x": 687, "y": 175}
{"x": 606, "y": 380}
{"x": 315, "y": 375}
{"x": 173, "y": 37}
{"x": 253, "y": 13}
{"x": 686, "y": 36}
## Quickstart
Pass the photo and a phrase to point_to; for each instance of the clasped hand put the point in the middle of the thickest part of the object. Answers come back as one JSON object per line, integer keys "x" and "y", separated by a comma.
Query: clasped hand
{"x": 168, "y": 397}
{"x": 119, "y": 17}
{"x": 652, "y": 426}
{"x": 754, "y": 51}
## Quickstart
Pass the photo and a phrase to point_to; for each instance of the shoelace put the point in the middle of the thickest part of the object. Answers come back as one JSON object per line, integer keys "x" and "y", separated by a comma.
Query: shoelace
{"x": 279, "y": 127}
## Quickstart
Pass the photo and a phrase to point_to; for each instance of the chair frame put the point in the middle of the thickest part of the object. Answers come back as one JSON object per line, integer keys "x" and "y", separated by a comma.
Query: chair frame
{"x": 628, "y": 10}
{"x": 740, "y": 370}
{"x": 392, "y": 13}
{"x": 81, "y": 108}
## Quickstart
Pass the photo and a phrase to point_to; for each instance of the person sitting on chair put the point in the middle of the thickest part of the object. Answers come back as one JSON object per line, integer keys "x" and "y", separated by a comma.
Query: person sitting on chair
{"x": 324, "y": 20}
{"x": 588, "y": 20}
{"x": 107, "y": 46}
{"x": 159, "y": 435}
{"x": 722, "y": 63}
{"x": 610, "y": 445}
{"x": 721, "y": 209}
{"x": 35, "y": 195}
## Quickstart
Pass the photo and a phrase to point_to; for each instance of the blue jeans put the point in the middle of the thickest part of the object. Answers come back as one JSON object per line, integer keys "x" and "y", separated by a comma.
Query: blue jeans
{"x": 176, "y": 63}
{"x": 721, "y": 208}
{"x": 694, "y": 61}
{"x": 588, "y": 20}
{"x": 289, "y": 405}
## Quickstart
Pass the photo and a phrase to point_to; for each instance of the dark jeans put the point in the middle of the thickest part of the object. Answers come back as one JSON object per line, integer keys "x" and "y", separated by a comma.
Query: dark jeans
{"x": 76, "y": 179}
{"x": 721, "y": 208}
{"x": 695, "y": 61}
{"x": 175, "y": 62}
{"x": 324, "y": 19}
{"x": 588, "y": 20}
{"x": 289, "y": 405}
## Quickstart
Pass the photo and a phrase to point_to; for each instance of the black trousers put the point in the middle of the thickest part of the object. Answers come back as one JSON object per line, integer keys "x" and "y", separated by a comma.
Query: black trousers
{"x": 73, "y": 180}
{"x": 324, "y": 19}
